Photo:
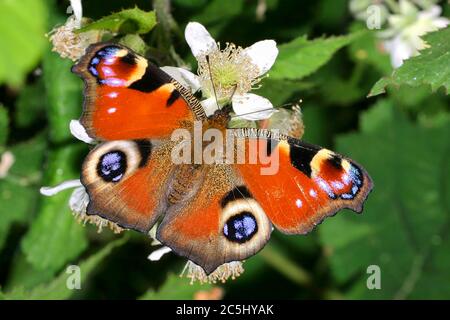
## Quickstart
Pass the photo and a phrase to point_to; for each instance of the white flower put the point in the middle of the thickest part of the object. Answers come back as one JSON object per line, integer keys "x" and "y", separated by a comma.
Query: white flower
{"x": 227, "y": 75}
{"x": 79, "y": 132}
{"x": 199, "y": 39}
{"x": 158, "y": 253}
{"x": 79, "y": 200}
{"x": 185, "y": 77}
{"x": 252, "y": 107}
{"x": 77, "y": 10}
{"x": 403, "y": 38}
{"x": 6, "y": 162}
{"x": 66, "y": 42}
{"x": 69, "y": 184}
{"x": 227, "y": 270}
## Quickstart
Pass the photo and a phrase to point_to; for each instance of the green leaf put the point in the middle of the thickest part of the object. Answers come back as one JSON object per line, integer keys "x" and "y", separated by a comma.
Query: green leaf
{"x": 403, "y": 228}
{"x": 219, "y": 12}
{"x": 274, "y": 256}
{"x": 4, "y": 123}
{"x": 431, "y": 67}
{"x": 366, "y": 49}
{"x": 126, "y": 21}
{"x": 64, "y": 96}
{"x": 19, "y": 188}
{"x": 55, "y": 237}
{"x": 377, "y": 116}
{"x": 175, "y": 288}
{"x": 338, "y": 91}
{"x": 57, "y": 288}
{"x": 279, "y": 91}
{"x": 317, "y": 124}
{"x": 191, "y": 3}
{"x": 23, "y": 275}
{"x": 23, "y": 27}
{"x": 134, "y": 42}
{"x": 301, "y": 57}
{"x": 330, "y": 12}
{"x": 30, "y": 106}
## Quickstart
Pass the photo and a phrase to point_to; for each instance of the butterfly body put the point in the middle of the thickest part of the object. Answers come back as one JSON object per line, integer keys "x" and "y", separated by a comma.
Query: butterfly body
{"x": 217, "y": 204}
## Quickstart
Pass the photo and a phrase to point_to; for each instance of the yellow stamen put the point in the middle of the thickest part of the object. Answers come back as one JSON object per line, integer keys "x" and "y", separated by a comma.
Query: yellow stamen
{"x": 231, "y": 70}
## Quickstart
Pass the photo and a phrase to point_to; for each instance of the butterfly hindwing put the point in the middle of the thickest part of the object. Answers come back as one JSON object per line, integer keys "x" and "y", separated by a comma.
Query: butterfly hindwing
{"x": 125, "y": 181}
{"x": 222, "y": 222}
{"x": 128, "y": 97}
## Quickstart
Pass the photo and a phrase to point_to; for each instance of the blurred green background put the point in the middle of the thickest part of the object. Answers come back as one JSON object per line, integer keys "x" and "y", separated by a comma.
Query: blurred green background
{"x": 400, "y": 137}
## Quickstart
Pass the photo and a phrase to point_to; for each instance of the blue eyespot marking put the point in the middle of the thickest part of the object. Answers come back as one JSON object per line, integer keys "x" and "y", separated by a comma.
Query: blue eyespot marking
{"x": 105, "y": 53}
{"x": 240, "y": 227}
{"x": 93, "y": 71}
{"x": 112, "y": 166}
{"x": 95, "y": 61}
{"x": 356, "y": 178}
{"x": 108, "y": 51}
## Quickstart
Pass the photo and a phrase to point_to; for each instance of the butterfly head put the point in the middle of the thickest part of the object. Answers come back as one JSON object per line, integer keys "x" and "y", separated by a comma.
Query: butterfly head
{"x": 221, "y": 117}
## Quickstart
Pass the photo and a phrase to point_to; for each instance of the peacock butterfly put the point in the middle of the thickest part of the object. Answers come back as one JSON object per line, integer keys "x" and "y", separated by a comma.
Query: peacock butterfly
{"x": 211, "y": 213}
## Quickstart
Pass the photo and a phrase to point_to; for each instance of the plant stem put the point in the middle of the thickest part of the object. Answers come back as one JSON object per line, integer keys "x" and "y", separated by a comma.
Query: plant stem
{"x": 296, "y": 273}
{"x": 357, "y": 73}
{"x": 168, "y": 28}
{"x": 162, "y": 8}
{"x": 286, "y": 267}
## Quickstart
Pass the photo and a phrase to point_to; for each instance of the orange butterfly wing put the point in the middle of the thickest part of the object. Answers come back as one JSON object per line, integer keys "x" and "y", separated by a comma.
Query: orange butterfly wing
{"x": 126, "y": 182}
{"x": 220, "y": 223}
{"x": 310, "y": 184}
{"x": 128, "y": 97}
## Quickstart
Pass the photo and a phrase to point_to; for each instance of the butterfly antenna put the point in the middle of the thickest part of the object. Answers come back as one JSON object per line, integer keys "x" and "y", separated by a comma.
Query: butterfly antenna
{"x": 245, "y": 114}
{"x": 212, "y": 80}
{"x": 234, "y": 91}
{"x": 292, "y": 104}
{"x": 229, "y": 107}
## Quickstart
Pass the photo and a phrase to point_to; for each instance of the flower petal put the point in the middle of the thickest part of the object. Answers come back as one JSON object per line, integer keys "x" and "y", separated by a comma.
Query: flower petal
{"x": 399, "y": 50}
{"x": 6, "y": 162}
{"x": 183, "y": 76}
{"x": 210, "y": 106}
{"x": 157, "y": 254}
{"x": 263, "y": 54}
{"x": 79, "y": 200}
{"x": 79, "y": 132}
{"x": 69, "y": 184}
{"x": 440, "y": 22}
{"x": 199, "y": 39}
{"x": 252, "y": 107}
{"x": 77, "y": 9}
{"x": 407, "y": 8}
{"x": 430, "y": 13}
